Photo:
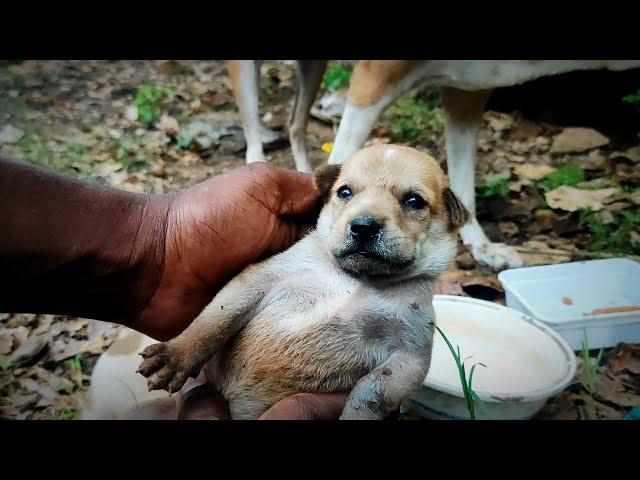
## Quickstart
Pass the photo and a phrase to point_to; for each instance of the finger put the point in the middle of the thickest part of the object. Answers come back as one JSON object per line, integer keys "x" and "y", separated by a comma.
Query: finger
{"x": 299, "y": 194}
{"x": 308, "y": 406}
{"x": 202, "y": 403}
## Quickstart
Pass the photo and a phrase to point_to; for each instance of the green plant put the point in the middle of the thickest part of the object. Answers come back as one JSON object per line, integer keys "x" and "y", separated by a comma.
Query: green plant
{"x": 633, "y": 99}
{"x": 147, "y": 99}
{"x": 590, "y": 365}
{"x": 67, "y": 414}
{"x": 569, "y": 175}
{"x": 183, "y": 141}
{"x": 493, "y": 187}
{"x": 130, "y": 152}
{"x": 470, "y": 396}
{"x": 615, "y": 236}
{"x": 411, "y": 116}
{"x": 336, "y": 77}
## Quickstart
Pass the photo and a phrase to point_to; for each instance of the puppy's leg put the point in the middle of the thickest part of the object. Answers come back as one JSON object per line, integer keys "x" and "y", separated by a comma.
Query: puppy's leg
{"x": 463, "y": 113}
{"x": 244, "y": 81}
{"x": 168, "y": 365}
{"x": 309, "y": 78}
{"x": 375, "y": 84}
{"x": 380, "y": 392}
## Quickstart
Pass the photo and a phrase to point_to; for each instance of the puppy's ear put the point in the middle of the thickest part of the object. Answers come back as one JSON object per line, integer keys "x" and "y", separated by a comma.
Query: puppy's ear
{"x": 325, "y": 176}
{"x": 457, "y": 213}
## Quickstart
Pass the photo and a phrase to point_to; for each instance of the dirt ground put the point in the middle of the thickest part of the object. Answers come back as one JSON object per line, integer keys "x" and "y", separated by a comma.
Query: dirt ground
{"x": 556, "y": 193}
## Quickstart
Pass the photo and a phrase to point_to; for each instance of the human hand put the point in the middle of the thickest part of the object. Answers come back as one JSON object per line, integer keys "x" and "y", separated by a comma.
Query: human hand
{"x": 216, "y": 228}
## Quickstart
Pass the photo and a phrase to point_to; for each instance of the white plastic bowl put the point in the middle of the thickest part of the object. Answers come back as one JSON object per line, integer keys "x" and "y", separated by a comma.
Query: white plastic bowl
{"x": 526, "y": 362}
{"x": 563, "y": 296}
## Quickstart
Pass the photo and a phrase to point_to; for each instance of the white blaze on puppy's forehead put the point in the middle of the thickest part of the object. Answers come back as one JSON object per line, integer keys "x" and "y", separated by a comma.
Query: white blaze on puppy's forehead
{"x": 394, "y": 166}
{"x": 389, "y": 153}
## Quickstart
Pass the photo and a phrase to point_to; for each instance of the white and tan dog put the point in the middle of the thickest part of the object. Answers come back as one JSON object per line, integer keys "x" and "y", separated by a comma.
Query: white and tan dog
{"x": 466, "y": 85}
{"x": 347, "y": 308}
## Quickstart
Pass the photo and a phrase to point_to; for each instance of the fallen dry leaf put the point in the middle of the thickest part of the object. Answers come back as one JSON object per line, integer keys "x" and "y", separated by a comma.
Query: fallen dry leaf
{"x": 578, "y": 140}
{"x": 61, "y": 350}
{"x": 538, "y": 253}
{"x": 625, "y": 357}
{"x": 499, "y": 121}
{"x": 571, "y": 199}
{"x": 533, "y": 172}
{"x": 613, "y": 391}
{"x": 6, "y": 343}
{"x": 29, "y": 348}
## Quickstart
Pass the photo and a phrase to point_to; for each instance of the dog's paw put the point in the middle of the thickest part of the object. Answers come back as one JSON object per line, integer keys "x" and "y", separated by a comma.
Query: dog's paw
{"x": 360, "y": 413}
{"x": 166, "y": 367}
{"x": 498, "y": 256}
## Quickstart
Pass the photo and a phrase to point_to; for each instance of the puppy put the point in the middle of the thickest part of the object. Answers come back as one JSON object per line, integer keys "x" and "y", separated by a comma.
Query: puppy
{"x": 467, "y": 84}
{"x": 347, "y": 308}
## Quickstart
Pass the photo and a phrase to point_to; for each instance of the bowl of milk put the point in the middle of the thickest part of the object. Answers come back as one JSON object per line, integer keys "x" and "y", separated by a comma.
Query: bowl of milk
{"x": 525, "y": 361}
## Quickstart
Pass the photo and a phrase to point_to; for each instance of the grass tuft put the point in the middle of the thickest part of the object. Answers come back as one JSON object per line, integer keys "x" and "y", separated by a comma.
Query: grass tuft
{"x": 470, "y": 396}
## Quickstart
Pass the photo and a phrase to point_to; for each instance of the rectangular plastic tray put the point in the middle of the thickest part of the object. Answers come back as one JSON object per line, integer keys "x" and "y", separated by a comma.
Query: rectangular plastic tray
{"x": 564, "y": 296}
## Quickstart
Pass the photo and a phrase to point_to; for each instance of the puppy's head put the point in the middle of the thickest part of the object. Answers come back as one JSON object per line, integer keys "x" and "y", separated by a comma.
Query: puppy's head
{"x": 389, "y": 212}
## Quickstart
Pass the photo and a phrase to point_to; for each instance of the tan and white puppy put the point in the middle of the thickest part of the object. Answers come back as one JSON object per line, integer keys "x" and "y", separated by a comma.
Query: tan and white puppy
{"x": 347, "y": 308}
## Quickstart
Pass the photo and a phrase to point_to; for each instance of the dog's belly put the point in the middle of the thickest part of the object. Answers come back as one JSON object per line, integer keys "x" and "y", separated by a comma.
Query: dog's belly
{"x": 306, "y": 339}
{"x": 484, "y": 74}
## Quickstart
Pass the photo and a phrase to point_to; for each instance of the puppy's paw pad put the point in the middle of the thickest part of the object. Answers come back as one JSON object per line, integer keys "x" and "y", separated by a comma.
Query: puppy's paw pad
{"x": 165, "y": 367}
{"x": 498, "y": 256}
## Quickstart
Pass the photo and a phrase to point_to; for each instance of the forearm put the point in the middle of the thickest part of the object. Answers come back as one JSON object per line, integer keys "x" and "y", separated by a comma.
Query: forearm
{"x": 73, "y": 248}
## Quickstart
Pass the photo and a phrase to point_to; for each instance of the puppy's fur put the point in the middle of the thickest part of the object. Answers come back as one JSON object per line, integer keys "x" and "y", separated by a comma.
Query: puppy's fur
{"x": 337, "y": 311}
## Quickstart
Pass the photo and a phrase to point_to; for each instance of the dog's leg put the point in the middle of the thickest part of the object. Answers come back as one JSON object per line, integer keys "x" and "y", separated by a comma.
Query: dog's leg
{"x": 168, "y": 365}
{"x": 463, "y": 113}
{"x": 375, "y": 84}
{"x": 380, "y": 393}
{"x": 309, "y": 78}
{"x": 244, "y": 81}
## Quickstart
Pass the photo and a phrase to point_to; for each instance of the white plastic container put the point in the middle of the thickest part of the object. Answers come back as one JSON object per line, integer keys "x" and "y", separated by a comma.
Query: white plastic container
{"x": 526, "y": 362}
{"x": 563, "y": 297}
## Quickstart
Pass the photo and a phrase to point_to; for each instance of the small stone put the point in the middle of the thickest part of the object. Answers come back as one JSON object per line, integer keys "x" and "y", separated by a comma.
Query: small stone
{"x": 115, "y": 133}
{"x": 131, "y": 113}
{"x": 169, "y": 125}
{"x": 10, "y": 134}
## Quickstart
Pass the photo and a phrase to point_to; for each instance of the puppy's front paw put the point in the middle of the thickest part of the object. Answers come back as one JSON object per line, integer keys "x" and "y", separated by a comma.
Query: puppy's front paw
{"x": 167, "y": 367}
{"x": 498, "y": 256}
{"x": 359, "y": 413}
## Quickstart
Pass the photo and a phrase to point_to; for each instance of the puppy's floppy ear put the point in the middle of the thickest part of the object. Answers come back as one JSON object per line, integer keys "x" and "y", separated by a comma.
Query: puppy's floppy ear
{"x": 324, "y": 177}
{"x": 457, "y": 213}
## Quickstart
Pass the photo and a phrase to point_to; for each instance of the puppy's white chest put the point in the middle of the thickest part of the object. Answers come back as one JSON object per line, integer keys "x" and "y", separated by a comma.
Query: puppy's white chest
{"x": 309, "y": 297}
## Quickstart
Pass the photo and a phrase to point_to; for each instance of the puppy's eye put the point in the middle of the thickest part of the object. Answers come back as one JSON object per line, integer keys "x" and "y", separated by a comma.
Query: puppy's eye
{"x": 344, "y": 192}
{"x": 413, "y": 200}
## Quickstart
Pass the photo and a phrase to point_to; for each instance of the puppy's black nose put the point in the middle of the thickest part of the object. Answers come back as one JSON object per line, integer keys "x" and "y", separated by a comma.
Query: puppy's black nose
{"x": 364, "y": 228}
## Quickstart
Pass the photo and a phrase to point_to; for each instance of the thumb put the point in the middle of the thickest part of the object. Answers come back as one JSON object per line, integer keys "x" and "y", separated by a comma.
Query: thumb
{"x": 299, "y": 194}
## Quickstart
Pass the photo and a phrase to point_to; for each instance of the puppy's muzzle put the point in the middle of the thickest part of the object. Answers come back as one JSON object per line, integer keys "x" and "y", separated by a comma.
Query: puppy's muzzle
{"x": 364, "y": 230}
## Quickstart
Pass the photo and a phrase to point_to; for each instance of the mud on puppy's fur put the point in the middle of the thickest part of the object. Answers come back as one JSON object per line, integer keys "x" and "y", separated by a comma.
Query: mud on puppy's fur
{"x": 347, "y": 308}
